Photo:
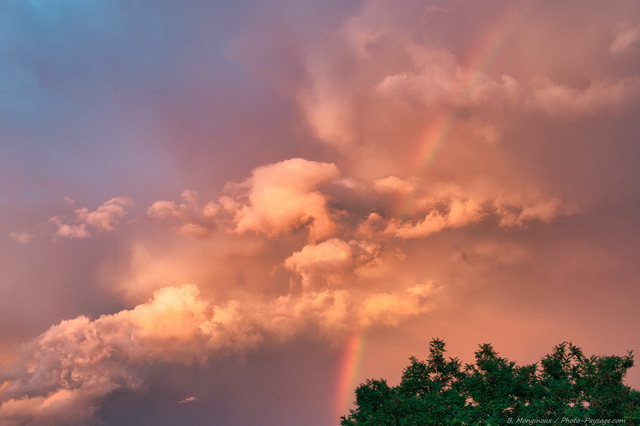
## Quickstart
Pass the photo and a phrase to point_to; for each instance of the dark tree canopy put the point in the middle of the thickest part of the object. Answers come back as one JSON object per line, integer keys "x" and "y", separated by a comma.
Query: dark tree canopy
{"x": 564, "y": 385}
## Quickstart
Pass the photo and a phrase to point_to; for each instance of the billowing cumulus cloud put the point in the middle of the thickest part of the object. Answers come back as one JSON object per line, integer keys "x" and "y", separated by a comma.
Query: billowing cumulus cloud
{"x": 71, "y": 365}
{"x": 282, "y": 197}
{"x": 63, "y": 373}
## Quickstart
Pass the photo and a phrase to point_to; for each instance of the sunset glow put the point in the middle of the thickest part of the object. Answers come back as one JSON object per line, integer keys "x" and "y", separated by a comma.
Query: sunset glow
{"x": 233, "y": 213}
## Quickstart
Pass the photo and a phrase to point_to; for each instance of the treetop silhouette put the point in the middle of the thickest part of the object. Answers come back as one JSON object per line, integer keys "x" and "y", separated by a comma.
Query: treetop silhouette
{"x": 564, "y": 386}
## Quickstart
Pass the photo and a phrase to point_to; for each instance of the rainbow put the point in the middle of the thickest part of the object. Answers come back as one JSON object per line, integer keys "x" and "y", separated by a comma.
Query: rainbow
{"x": 484, "y": 53}
{"x": 349, "y": 365}
{"x": 438, "y": 129}
{"x": 431, "y": 140}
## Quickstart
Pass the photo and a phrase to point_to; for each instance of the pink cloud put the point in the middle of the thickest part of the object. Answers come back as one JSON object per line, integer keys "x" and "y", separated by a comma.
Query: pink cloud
{"x": 187, "y": 218}
{"x": 84, "y": 223}
{"x": 557, "y": 99}
{"x": 188, "y": 400}
{"x": 626, "y": 41}
{"x": 21, "y": 237}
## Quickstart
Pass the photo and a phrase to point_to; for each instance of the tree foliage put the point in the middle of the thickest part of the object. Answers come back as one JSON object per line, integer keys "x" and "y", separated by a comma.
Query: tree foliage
{"x": 565, "y": 384}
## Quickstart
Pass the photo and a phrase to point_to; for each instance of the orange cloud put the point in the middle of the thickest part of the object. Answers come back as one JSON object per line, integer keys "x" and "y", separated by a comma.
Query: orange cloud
{"x": 451, "y": 207}
{"x": 281, "y": 197}
{"x": 393, "y": 184}
{"x": 391, "y": 308}
{"x": 331, "y": 262}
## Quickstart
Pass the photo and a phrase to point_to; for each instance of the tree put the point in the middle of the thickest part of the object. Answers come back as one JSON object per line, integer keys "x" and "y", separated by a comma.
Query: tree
{"x": 441, "y": 391}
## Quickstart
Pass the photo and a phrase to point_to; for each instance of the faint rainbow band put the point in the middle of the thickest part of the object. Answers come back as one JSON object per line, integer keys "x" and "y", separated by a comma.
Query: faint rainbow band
{"x": 433, "y": 137}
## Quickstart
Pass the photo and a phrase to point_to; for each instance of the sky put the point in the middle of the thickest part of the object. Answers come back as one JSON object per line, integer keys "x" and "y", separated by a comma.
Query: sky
{"x": 233, "y": 212}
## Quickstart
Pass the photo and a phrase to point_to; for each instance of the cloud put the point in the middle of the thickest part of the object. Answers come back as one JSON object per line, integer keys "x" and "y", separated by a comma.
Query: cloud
{"x": 187, "y": 218}
{"x": 84, "y": 223}
{"x": 451, "y": 207}
{"x": 21, "y": 237}
{"x": 62, "y": 406}
{"x": 437, "y": 80}
{"x": 282, "y": 197}
{"x": 331, "y": 262}
{"x": 373, "y": 225}
{"x": 81, "y": 223}
{"x": 326, "y": 312}
{"x": 188, "y": 400}
{"x": 516, "y": 213}
{"x": 455, "y": 213}
{"x": 488, "y": 161}
{"x": 62, "y": 375}
{"x": 329, "y": 112}
{"x": 393, "y": 184}
{"x": 561, "y": 100}
{"x": 626, "y": 41}
{"x": 374, "y": 81}
{"x": 391, "y": 308}
{"x": 398, "y": 101}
